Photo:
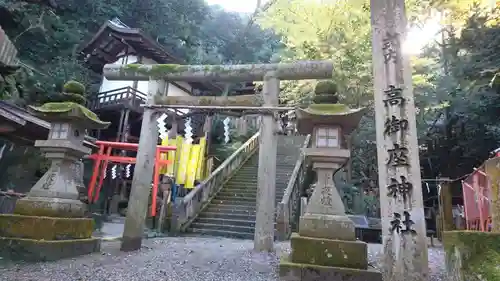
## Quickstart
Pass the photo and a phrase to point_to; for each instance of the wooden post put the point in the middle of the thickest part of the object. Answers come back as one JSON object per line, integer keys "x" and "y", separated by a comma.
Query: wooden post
{"x": 264, "y": 226}
{"x": 166, "y": 189}
{"x": 207, "y": 129}
{"x": 143, "y": 172}
{"x": 120, "y": 126}
{"x": 172, "y": 135}
{"x": 126, "y": 126}
{"x": 402, "y": 210}
{"x": 446, "y": 207}
{"x": 492, "y": 169}
{"x": 124, "y": 138}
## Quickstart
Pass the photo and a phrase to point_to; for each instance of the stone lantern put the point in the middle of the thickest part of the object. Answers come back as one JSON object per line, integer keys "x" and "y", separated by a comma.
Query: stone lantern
{"x": 50, "y": 220}
{"x": 325, "y": 246}
{"x": 56, "y": 193}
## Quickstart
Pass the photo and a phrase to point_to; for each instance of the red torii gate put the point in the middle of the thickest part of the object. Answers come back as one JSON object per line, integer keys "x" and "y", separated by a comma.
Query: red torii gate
{"x": 104, "y": 156}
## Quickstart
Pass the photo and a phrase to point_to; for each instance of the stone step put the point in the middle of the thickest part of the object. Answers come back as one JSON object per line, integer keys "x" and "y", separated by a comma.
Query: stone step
{"x": 250, "y": 187}
{"x": 229, "y": 194}
{"x": 232, "y": 228}
{"x": 223, "y": 233}
{"x": 243, "y": 201}
{"x": 235, "y": 198}
{"x": 280, "y": 172}
{"x": 235, "y": 201}
{"x": 279, "y": 168}
{"x": 230, "y": 216}
{"x": 231, "y": 208}
{"x": 243, "y": 184}
{"x": 232, "y": 212}
{"x": 244, "y": 193}
{"x": 227, "y": 222}
{"x": 252, "y": 178}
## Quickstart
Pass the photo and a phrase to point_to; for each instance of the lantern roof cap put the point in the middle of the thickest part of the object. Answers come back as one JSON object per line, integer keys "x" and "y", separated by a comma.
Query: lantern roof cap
{"x": 328, "y": 115}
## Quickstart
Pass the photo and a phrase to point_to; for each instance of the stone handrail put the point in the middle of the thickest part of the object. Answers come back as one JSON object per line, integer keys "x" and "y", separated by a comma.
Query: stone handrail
{"x": 288, "y": 209}
{"x": 186, "y": 210}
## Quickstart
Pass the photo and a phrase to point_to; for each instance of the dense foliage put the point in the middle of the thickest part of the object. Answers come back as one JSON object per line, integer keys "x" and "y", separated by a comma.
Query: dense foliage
{"x": 457, "y": 109}
{"x": 48, "y": 35}
{"x": 457, "y": 105}
{"x": 49, "y": 38}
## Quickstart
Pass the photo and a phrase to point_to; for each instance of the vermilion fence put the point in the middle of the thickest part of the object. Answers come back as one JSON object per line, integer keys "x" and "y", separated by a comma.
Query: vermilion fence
{"x": 477, "y": 193}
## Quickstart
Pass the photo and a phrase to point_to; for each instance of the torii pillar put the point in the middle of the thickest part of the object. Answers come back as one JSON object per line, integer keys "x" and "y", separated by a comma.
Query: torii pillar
{"x": 271, "y": 74}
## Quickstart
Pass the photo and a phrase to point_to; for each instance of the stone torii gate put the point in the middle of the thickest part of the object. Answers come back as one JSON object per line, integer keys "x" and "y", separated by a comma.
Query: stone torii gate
{"x": 266, "y": 105}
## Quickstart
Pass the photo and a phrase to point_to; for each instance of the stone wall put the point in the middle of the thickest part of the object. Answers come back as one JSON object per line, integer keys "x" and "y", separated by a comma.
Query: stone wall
{"x": 472, "y": 255}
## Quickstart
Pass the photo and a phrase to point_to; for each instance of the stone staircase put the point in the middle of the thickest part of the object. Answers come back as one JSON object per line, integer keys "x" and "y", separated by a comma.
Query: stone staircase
{"x": 232, "y": 212}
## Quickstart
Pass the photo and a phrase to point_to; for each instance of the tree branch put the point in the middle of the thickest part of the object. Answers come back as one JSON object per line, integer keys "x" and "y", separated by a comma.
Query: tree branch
{"x": 50, "y": 3}
{"x": 37, "y": 24}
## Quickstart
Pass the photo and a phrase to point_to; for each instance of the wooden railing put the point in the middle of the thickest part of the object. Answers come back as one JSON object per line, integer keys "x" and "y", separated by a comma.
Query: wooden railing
{"x": 288, "y": 211}
{"x": 186, "y": 210}
{"x": 124, "y": 95}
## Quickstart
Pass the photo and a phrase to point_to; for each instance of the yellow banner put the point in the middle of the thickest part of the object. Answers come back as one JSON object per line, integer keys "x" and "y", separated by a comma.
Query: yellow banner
{"x": 201, "y": 159}
{"x": 192, "y": 167}
{"x": 178, "y": 144}
{"x": 183, "y": 163}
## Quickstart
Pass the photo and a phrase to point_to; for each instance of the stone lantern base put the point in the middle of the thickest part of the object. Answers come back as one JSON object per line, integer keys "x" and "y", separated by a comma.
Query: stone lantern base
{"x": 326, "y": 247}
{"x": 38, "y": 238}
{"x": 315, "y": 259}
{"x": 49, "y": 223}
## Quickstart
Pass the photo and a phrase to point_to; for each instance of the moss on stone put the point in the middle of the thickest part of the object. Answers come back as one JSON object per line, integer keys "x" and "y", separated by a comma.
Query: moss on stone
{"x": 68, "y": 97}
{"x": 74, "y": 87}
{"x": 328, "y": 252}
{"x": 76, "y": 98}
{"x": 479, "y": 253}
{"x": 156, "y": 70}
{"x": 329, "y": 109}
{"x": 161, "y": 70}
{"x": 325, "y": 92}
{"x": 45, "y": 228}
{"x": 70, "y": 111}
{"x": 69, "y": 106}
{"x": 325, "y": 87}
{"x": 45, "y": 209}
{"x": 289, "y": 270}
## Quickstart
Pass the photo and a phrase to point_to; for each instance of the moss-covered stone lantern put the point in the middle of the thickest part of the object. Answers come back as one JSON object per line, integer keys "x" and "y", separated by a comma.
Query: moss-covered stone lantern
{"x": 50, "y": 219}
{"x": 326, "y": 245}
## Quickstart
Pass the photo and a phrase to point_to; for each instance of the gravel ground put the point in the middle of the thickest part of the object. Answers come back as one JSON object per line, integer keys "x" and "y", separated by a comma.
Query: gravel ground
{"x": 176, "y": 258}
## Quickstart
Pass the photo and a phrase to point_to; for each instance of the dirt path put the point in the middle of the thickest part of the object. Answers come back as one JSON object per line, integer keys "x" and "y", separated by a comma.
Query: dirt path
{"x": 172, "y": 259}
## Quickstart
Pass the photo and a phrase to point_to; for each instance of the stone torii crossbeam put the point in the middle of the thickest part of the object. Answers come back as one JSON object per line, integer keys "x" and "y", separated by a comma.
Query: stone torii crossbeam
{"x": 158, "y": 75}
